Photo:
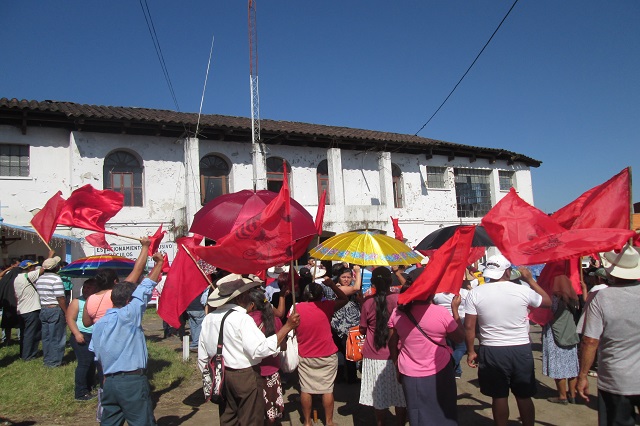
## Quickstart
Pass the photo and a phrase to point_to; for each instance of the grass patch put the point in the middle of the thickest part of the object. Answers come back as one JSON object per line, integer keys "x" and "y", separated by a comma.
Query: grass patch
{"x": 29, "y": 390}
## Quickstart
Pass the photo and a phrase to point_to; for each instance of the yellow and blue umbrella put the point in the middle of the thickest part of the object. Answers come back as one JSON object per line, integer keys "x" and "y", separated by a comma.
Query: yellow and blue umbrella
{"x": 366, "y": 249}
{"x": 87, "y": 267}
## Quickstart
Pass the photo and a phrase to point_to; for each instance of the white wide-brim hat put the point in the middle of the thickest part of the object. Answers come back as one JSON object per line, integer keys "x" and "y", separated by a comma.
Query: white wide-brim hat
{"x": 275, "y": 271}
{"x": 625, "y": 265}
{"x": 233, "y": 285}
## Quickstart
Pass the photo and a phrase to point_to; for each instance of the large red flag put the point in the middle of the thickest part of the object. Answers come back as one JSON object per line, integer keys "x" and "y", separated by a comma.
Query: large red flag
{"x": 89, "y": 208}
{"x": 320, "y": 213}
{"x": 45, "y": 221}
{"x": 527, "y": 236}
{"x": 397, "y": 232}
{"x": 183, "y": 283}
{"x": 514, "y": 221}
{"x": 261, "y": 242}
{"x": 445, "y": 271}
{"x": 156, "y": 239}
{"x": 97, "y": 239}
{"x": 604, "y": 206}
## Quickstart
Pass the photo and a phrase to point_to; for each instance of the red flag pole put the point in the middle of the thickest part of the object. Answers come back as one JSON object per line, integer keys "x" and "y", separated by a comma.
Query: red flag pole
{"x": 43, "y": 240}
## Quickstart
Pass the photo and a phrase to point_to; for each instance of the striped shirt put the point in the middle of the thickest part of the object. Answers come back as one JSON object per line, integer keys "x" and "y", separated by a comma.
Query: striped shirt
{"x": 49, "y": 287}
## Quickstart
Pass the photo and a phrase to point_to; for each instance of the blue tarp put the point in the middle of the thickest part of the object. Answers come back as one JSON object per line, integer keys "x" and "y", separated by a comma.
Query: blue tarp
{"x": 32, "y": 231}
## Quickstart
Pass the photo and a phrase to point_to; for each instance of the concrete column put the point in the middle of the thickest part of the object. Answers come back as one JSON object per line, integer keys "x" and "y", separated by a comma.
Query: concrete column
{"x": 192, "y": 178}
{"x": 259, "y": 160}
{"x": 386, "y": 180}
{"x": 336, "y": 186}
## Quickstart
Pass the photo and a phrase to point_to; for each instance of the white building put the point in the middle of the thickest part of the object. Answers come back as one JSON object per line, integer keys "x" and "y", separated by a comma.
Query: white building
{"x": 166, "y": 174}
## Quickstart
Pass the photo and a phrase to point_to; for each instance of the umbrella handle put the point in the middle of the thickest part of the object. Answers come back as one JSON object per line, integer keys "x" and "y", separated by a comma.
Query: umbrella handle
{"x": 293, "y": 284}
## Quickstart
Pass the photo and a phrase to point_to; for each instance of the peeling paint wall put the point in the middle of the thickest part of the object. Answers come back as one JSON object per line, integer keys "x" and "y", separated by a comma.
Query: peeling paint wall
{"x": 65, "y": 161}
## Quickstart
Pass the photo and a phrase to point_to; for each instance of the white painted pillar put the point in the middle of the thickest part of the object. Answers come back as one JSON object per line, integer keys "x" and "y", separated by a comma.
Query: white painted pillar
{"x": 386, "y": 180}
{"x": 259, "y": 161}
{"x": 336, "y": 185}
{"x": 192, "y": 178}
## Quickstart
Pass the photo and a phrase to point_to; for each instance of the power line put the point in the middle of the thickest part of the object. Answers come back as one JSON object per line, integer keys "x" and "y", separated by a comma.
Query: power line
{"x": 156, "y": 45}
{"x": 468, "y": 69}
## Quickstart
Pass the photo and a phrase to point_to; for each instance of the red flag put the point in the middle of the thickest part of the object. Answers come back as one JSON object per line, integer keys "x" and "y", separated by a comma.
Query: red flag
{"x": 604, "y": 206}
{"x": 45, "y": 221}
{"x": 445, "y": 271}
{"x": 513, "y": 221}
{"x": 567, "y": 269}
{"x": 165, "y": 265}
{"x": 156, "y": 239}
{"x": 184, "y": 283}
{"x": 97, "y": 239}
{"x": 475, "y": 254}
{"x": 89, "y": 208}
{"x": 261, "y": 242}
{"x": 527, "y": 236}
{"x": 396, "y": 229}
{"x": 320, "y": 213}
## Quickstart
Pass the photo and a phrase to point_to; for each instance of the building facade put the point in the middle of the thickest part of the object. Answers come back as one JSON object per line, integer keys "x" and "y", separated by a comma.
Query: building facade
{"x": 169, "y": 164}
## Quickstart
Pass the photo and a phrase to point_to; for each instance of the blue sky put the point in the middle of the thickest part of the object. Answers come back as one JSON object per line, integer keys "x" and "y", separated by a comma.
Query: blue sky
{"x": 560, "y": 82}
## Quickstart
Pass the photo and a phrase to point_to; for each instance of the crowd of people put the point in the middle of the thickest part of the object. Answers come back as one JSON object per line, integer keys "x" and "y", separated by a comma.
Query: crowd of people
{"x": 411, "y": 354}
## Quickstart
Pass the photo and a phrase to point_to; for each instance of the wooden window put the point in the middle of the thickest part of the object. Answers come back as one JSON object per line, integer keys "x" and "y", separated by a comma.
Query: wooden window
{"x": 123, "y": 173}
{"x": 14, "y": 160}
{"x": 323, "y": 181}
{"x": 275, "y": 173}
{"x": 396, "y": 175}
{"x": 214, "y": 177}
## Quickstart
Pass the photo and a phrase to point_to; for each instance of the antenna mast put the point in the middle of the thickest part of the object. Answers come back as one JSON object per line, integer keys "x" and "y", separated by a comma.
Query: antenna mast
{"x": 255, "y": 97}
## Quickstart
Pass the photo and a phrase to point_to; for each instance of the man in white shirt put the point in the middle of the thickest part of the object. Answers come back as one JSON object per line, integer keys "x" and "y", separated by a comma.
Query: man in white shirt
{"x": 611, "y": 330}
{"x": 243, "y": 347}
{"x": 504, "y": 358}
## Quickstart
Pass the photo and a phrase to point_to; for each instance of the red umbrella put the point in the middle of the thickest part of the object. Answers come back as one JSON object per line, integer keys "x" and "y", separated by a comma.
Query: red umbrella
{"x": 223, "y": 214}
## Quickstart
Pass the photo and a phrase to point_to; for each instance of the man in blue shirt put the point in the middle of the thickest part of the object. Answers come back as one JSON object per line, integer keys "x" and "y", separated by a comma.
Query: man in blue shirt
{"x": 119, "y": 345}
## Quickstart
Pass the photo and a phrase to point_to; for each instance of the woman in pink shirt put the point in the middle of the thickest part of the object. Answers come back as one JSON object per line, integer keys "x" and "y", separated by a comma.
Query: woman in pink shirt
{"x": 317, "y": 351}
{"x": 379, "y": 387}
{"x": 424, "y": 361}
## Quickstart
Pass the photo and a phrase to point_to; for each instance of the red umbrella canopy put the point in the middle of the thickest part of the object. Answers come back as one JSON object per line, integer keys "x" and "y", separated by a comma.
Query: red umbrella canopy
{"x": 223, "y": 214}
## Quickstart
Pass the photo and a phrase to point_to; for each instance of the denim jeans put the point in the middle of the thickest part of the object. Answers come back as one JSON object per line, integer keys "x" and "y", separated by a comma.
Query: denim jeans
{"x": 127, "y": 397}
{"x": 54, "y": 335}
{"x": 459, "y": 349}
{"x": 85, "y": 378}
{"x": 30, "y": 334}
{"x": 195, "y": 324}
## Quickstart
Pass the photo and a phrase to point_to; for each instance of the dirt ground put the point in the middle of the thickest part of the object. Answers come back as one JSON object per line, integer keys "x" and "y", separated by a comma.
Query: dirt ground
{"x": 183, "y": 404}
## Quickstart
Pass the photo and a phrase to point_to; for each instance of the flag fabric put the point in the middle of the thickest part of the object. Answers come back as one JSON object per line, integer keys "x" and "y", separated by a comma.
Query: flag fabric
{"x": 552, "y": 271}
{"x": 320, "y": 213}
{"x": 445, "y": 271}
{"x": 45, "y": 221}
{"x": 183, "y": 283}
{"x": 259, "y": 243}
{"x": 513, "y": 221}
{"x": 89, "y": 208}
{"x": 156, "y": 239}
{"x": 97, "y": 239}
{"x": 525, "y": 235}
{"x": 475, "y": 254}
{"x": 397, "y": 232}
{"x": 604, "y": 206}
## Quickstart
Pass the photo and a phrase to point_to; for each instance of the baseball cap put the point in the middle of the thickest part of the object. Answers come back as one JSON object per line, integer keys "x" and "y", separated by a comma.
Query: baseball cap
{"x": 27, "y": 264}
{"x": 495, "y": 266}
{"x": 51, "y": 263}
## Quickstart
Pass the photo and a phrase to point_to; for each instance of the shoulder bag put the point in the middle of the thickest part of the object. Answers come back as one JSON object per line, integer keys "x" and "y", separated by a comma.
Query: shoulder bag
{"x": 289, "y": 358}
{"x": 563, "y": 327}
{"x": 213, "y": 373}
{"x": 355, "y": 343}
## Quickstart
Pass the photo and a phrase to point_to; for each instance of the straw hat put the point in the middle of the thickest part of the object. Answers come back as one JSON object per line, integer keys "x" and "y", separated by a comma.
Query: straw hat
{"x": 233, "y": 285}
{"x": 275, "y": 271}
{"x": 625, "y": 265}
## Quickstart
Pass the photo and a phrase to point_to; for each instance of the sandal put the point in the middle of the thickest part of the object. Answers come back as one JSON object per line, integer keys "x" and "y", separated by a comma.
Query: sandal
{"x": 557, "y": 400}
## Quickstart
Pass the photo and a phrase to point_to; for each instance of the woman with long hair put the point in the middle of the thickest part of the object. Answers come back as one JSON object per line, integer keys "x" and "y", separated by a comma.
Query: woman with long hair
{"x": 379, "y": 387}
{"x": 317, "y": 351}
{"x": 262, "y": 313}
